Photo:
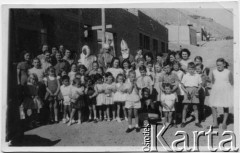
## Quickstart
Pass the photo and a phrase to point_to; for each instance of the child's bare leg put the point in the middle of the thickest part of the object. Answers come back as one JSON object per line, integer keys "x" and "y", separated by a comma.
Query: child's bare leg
{"x": 130, "y": 118}
{"x": 160, "y": 111}
{"x": 124, "y": 112}
{"x": 100, "y": 112}
{"x": 118, "y": 110}
{"x": 166, "y": 117}
{"x": 195, "y": 109}
{"x": 94, "y": 111}
{"x": 184, "y": 113}
{"x": 170, "y": 114}
{"x": 136, "y": 117}
{"x": 69, "y": 110}
{"x": 71, "y": 116}
{"x": 113, "y": 112}
{"x": 65, "y": 111}
{"x": 50, "y": 110}
{"x": 214, "y": 115}
{"x": 56, "y": 110}
{"x": 108, "y": 112}
{"x": 225, "y": 117}
{"x": 79, "y": 116}
{"x": 90, "y": 112}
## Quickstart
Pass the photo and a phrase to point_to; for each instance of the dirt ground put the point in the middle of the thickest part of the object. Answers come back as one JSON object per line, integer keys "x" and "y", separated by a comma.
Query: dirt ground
{"x": 113, "y": 133}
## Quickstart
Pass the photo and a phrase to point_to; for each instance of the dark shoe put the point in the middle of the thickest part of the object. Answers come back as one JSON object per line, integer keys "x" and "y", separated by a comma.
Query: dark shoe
{"x": 95, "y": 121}
{"x": 183, "y": 125}
{"x": 198, "y": 125}
{"x": 129, "y": 130}
{"x": 89, "y": 120}
{"x": 175, "y": 125}
{"x": 138, "y": 129}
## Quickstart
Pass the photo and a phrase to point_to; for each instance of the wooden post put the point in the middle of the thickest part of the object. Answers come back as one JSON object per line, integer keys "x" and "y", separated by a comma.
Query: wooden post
{"x": 103, "y": 26}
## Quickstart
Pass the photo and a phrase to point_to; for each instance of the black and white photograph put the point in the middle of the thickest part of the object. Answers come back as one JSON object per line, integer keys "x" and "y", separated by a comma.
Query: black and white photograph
{"x": 122, "y": 77}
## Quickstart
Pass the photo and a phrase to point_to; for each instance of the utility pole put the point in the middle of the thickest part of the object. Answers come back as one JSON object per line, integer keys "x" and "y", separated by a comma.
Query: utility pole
{"x": 103, "y": 27}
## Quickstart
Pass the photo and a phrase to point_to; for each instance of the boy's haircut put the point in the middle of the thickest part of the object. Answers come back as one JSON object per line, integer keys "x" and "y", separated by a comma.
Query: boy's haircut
{"x": 114, "y": 58}
{"x": 76, "y": 81}
{"x": 150, "y": 62}
{"x": 47, "y": 51}
{"x": 199, "y": 58}
{"x": 108, "y": 74}
{"x": 51, "y": 68}
{"x": 73, "y": 64}
{"x": 65, "y": 77}
{"x": 201, "y": 66}
{"x": 120, "y": 75}
{"x": 95, "y": 62}
{"x": 158, "y": 63}
{"x": 140, "y": 59}
{"x": 186, "y": 51}
{"x": 177, "y": 63}
{"x": 97, "y": 76}
{"x": 78, "y": 73}
{"x": 166, "y": 63}
{"x": 126, "y": 61}
{"x": 159, "y": 54}
{"x": 191, "y": 65}
{"x": 82, "y": 67}
{"x": 145, "y": 90}
{"x": 142, "y": 68}
{"x": 36, "y": 58}
{"x": 167, "y": 85}
{"x": 132, "y": 72}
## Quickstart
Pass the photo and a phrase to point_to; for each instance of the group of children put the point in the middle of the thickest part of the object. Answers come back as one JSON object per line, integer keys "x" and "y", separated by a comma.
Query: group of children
{"x": 163, "y": 89}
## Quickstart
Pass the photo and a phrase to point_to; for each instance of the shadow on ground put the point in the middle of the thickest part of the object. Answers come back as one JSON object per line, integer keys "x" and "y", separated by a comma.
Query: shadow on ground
{"x": 34, "y": 140}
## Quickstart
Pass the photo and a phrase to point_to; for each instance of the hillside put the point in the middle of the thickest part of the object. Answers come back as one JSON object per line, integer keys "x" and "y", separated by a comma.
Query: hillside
{"x": 183, "y": 17}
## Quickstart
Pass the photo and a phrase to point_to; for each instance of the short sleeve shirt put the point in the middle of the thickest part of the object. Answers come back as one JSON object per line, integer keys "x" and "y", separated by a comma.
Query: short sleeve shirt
{"x": 66, "y": 91}
{"x": 145, "y": 81}
{"x": 38, "y": 72}
{"x": 191, "y": 80}
{"x": 169, "y": 78}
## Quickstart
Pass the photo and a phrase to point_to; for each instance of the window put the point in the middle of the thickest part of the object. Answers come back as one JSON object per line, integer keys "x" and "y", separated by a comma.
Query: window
{"x": 141, "y": 40}
{"x": 144, "y": 41}
{"x": 155, "y": 45}
{"x": 163, "y": 47}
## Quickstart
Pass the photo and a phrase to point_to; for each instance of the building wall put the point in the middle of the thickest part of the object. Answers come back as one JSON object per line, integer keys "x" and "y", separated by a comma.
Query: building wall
{"x": 127, "y": 24}
{"x": 183, "y": 34}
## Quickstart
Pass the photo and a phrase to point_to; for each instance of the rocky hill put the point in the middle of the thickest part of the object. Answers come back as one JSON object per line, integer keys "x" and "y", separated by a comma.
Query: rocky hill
{"x": 183, "y": 17}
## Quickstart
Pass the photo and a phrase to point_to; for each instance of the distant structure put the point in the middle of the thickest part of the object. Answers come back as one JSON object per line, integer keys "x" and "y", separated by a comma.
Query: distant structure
{"x": 182, "y": 34}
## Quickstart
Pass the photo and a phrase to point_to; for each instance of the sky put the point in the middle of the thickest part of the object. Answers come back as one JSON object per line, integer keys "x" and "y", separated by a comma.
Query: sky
{"x": 222, "y": 16}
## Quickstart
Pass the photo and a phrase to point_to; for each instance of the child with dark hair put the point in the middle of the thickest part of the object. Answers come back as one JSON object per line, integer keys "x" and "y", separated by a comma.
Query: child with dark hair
{"x": 144, "y": 80}
{"x": 119, "y": 96}
{"x": 191, "y": 84}
{"x": 66, "y": 90}
{"x": 99, "y": 93}
{"x": 91, "y": 100}
{"x": 126, "y": 66}
{"x": 159, "y": 57}
{"x": 150, "y": 69}
{"x": 77, "y": 100}
{"x": 82, "y": 72}
{"x": 94, "y": 70}
{"x": 115, "y": 67}
{"x": 109, "y": 92}
{"x": 222, "y": 92}
{"x": 73, "y": 72}
{"x": 168, "y": 102}
{"x": 53, "y": 95}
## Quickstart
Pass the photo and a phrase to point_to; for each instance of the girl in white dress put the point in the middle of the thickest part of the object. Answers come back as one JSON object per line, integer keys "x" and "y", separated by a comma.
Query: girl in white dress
{"x": 109, "y": 91}
{"x": 99, "y": 93}
{"x": 119, "y": 96}
{"x": 222, "y": 91}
